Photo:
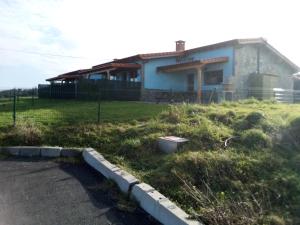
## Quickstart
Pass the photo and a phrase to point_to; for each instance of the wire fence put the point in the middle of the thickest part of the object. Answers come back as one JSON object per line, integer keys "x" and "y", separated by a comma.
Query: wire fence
{"x": 27, "y": 106}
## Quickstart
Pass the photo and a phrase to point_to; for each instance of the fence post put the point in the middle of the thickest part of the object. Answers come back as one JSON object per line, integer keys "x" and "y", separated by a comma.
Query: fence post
{"x": 76, "y": 90}
{"x": 99, "y": 107}
{"x": 18, "y": 96}
{"x": 14, "y": 108}
{"x": 32, "y": 97}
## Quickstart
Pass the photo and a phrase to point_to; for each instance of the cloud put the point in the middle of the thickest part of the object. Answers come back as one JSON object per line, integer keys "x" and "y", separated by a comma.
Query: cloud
{"x": 99, "y": 31}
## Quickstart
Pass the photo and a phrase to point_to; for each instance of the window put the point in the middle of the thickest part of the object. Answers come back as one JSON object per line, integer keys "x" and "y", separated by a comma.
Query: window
{"x": 213, "y": 77}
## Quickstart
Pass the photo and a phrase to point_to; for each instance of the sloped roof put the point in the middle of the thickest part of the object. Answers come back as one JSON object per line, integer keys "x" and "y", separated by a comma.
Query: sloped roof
{"x": 184, "y": 65}
{"x": 148, "y": 56}
{"x": 70, "y": 75}
{"x": 233, "y": 42}
{"x": 116, "y": 65}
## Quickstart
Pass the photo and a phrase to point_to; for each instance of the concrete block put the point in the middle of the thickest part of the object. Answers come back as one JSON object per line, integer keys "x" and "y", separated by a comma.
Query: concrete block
{"x": 124, "y": 180}
{"x": 170, "y": 144}
{"x": 147, "y": 197}
{"x": 158, "y": 206}
{"x": 10, "y": 150}
{"x": 97, "y": 161}
{"x": 70, "y": 152}
{"x": 110, "y": 171}
{"x": 28, "y": 151}
{"x": 50, "y": 151}
{"x": 169, "y": 213}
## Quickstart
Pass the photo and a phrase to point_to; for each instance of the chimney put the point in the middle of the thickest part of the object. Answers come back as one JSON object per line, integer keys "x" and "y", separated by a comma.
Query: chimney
{"x": 180, "y": 46}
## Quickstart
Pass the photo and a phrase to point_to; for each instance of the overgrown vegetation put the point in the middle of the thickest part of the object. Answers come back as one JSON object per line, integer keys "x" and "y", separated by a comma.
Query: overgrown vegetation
{"x": 255, "y": 179}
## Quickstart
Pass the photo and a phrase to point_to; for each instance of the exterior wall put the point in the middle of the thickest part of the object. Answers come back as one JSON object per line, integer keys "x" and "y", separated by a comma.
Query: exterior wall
{"x": 96, "y": 76}
{"x": 120, "y": 76}
{"x": 272, "y": 64}
{"x": 227, "y": 67}
{"x": 178, "y": 81}
{"x": 162, "y": 81}
{"x": 246, "y": 63}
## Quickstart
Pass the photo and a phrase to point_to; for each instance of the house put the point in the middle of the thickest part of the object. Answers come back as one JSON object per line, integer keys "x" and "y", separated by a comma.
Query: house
{"x": 232, "y": 69}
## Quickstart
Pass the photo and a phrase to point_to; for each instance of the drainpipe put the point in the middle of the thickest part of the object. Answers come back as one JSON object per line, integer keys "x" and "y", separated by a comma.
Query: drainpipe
{"x": 142, "y": 80}
{"x": 199, "y": 80}
{"x": 258, "y": 59}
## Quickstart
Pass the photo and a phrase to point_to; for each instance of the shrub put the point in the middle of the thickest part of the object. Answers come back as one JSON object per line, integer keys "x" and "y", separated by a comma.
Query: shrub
{"x": 255, "y": 138}
{"x": 295, "y": 129}
{"x": 255, "y": 118}
{"x": 295, "y": 163}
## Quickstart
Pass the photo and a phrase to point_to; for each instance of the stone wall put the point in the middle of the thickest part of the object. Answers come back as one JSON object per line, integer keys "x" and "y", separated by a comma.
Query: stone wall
{"x": 155, "y": 95}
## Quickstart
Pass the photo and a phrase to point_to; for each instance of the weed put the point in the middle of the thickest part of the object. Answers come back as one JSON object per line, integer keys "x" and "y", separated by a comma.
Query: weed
{"x": 25, "y": 133}
{"x": 238, "y": 185}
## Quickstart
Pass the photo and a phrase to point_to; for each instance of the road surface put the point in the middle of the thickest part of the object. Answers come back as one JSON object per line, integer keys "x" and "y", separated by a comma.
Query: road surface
{"x": 44, "y": 192}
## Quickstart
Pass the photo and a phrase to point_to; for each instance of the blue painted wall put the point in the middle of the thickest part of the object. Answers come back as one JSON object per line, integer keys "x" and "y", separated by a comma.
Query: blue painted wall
{"x": 162, "y": 81}
{"x": 178, "y": 81}
{"x": 96, "y": 76}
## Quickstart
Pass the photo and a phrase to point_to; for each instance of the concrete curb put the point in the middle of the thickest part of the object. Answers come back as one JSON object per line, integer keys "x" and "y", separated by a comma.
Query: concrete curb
{"x": 32, "y": 151}
{"x": 124, "y": 180}
{"x": 160, "y": 207}
{"x": 153, "y": 202}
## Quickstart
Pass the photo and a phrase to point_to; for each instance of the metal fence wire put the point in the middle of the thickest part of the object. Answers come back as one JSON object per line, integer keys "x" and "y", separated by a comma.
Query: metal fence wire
{"x": 17, "y": 107}
{"x": 29, "y": 106}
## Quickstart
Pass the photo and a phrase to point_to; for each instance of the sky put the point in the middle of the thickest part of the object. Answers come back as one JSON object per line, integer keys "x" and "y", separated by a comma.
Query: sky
{"x": 44, "y": 38}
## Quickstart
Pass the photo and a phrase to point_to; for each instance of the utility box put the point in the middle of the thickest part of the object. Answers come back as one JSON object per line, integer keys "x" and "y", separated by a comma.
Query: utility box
{"x": 261, "y": 85}
{"x": 170, "y": 144}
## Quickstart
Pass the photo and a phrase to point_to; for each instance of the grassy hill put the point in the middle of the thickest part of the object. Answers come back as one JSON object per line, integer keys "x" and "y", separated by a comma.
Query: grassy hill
{"x": 252, "y": 179}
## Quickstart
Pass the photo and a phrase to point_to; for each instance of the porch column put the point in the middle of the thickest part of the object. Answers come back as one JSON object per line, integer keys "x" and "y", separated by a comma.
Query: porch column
{"x": 199, "y": 81}
{"x": 108, "y": 74}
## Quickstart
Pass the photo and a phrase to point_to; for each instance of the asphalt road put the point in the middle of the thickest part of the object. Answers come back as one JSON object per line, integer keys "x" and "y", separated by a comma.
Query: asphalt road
{"x": 40, "y": 192}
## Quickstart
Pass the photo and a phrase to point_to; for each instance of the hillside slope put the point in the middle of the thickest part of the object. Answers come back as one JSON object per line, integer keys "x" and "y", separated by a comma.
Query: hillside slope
{"x": 254, "y": 179}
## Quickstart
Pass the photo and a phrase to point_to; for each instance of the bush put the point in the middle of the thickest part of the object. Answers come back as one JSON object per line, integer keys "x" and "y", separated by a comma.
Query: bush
{"x": 255, "y": 138}
{"x": 255, "y": 118}
{"x": 295, "y": 129}
{"x": 295, "y": 163}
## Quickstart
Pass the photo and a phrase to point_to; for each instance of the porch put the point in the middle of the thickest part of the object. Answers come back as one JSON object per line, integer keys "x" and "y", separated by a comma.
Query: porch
{"x": 115, "y": 71}
{"x": 199, "y": 81}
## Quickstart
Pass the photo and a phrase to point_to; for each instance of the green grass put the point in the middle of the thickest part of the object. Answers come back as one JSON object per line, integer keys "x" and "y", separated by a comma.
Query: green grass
{"x": 58, "y": 112}
{"x": 254, "y": 180}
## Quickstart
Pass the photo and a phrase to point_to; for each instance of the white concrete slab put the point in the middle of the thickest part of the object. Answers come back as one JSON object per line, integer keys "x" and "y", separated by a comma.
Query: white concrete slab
{"x": 159, "y": 206}
{"x": 124, "y": 180}
{"x": 110, "y": 171}
{"x": 170, "y": 144}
